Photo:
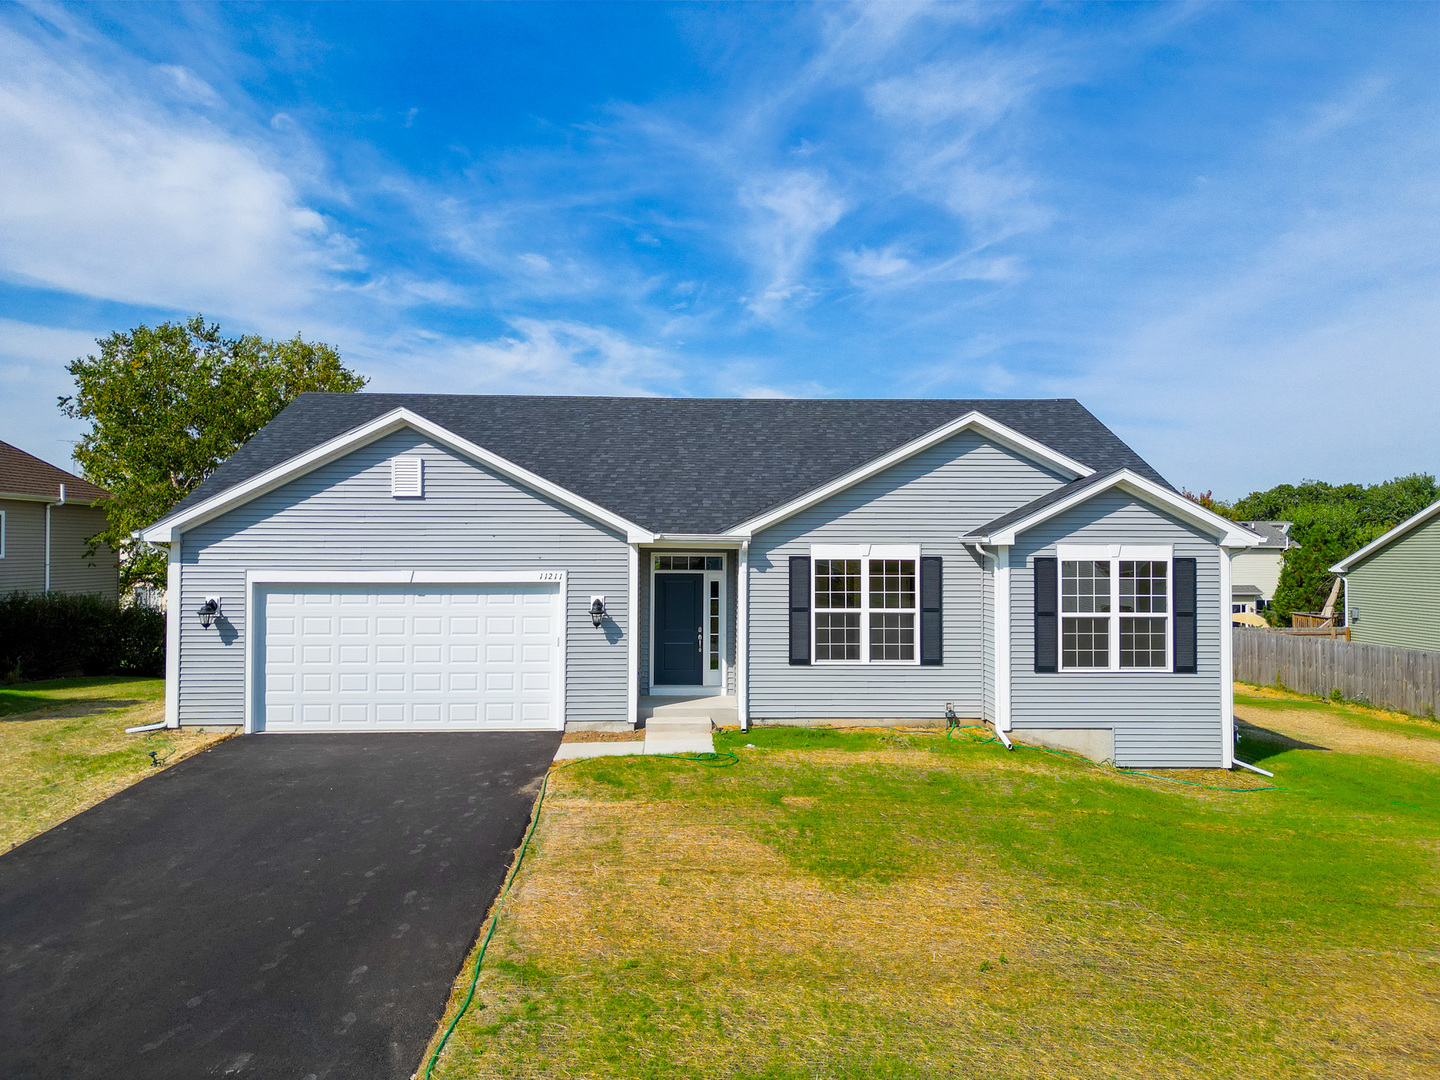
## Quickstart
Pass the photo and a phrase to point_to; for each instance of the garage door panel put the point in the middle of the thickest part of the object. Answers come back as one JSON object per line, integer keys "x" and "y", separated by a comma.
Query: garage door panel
{"x": 410, "y": 658}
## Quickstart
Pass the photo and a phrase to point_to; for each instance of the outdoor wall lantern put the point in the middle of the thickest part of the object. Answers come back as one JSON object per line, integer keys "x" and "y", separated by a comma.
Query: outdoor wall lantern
{"x": 208, "y": 611}
{"x": 597, "y": 609}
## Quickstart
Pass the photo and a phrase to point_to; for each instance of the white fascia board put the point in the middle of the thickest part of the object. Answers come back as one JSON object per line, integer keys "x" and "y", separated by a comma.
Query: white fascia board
{"x": 1345, "y": 564}
{"x": 405, "y": 577}
{"x": 1228, "y": 534}
{"x": 338, "y": 447}
{"x": 971, "y": 421}
{"x": 697, "y": 540}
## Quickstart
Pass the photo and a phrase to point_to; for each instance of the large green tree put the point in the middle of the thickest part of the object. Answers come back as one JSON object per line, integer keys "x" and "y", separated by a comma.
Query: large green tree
{"x": 1331, "y": 521}
{"x": 167, "y": 404}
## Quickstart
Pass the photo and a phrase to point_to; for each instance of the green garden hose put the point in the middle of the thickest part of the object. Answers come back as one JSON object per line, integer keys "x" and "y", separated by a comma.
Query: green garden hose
{"x": 715, "y": 760}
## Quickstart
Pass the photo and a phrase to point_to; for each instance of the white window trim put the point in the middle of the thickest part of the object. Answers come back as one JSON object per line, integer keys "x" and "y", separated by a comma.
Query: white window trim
{"x": 1114, "y": 554}
{"x": 712, "y": 682}
{"x": 864, "y": 552}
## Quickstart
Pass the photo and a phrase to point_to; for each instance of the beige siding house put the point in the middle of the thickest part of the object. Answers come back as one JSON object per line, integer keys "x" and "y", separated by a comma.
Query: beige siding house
{"x": 1392, "y": 585}
{"x": 1255, "y": 572}
{"x": 47, "y": 516}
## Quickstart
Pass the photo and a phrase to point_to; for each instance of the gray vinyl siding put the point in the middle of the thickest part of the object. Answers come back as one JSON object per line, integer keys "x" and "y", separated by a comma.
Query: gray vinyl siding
{"x": 1159, "y": 719}
{"x": 342, "y": 517}
{"x": 727, "y": 640}
{"x": 23, "y": 567}
{"x": 71, "y": 525}
{"x": 71, "y": 571}
{"x": 930, "y": 499}
{"x": 1395, "y": 593}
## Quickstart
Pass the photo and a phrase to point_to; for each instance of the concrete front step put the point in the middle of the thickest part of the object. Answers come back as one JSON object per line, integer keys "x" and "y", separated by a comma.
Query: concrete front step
{"x": 679, "y": 735}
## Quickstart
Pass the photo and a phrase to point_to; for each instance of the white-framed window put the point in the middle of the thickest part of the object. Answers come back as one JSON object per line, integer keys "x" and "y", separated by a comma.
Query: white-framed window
{"x": 1116, "y": 603}
{"x": 866, "y": 604}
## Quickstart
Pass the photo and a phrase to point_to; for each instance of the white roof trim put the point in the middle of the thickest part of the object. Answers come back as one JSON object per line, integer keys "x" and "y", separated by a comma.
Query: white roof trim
{"x": 1344, "y": 565}
{"x": 1231, "y": 534}
{"x": 164, "y": 530}
{"x": 975, "y": 421}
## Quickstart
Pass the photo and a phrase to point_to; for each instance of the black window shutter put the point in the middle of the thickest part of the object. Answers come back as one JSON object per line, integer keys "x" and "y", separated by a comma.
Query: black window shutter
{"x": 1047, "y": 615}
{"x": 799, "y": 609}
{"x": 932, "y": 642}
{"x": 1185, "y": 650}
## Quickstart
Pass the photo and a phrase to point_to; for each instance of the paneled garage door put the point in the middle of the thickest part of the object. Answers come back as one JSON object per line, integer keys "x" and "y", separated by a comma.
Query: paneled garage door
{"x": 410, "y": 657}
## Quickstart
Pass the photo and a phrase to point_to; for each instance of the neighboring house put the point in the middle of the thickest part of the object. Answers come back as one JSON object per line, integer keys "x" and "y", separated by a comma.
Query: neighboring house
{"x": 47, "y": 516}
{"x": 1392, "y": 585}
{"x": 424, "y": 562}
{"x": 1255, "y": 572}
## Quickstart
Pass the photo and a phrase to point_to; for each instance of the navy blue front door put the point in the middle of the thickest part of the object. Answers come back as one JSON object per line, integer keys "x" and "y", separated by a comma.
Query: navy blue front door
{"x": 678, "y": 617}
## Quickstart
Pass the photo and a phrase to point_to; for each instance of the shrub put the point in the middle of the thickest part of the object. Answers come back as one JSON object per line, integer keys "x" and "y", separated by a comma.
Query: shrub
{"x": 45, "y": 635}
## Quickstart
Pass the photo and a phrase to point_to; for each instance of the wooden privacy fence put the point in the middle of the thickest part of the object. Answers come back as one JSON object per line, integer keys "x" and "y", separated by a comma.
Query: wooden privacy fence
{"x": 1407, "y": 680}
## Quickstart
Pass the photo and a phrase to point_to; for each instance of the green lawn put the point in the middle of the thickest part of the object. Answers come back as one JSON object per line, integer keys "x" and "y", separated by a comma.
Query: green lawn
{"x": 872, "y": 904}
{"x": 63, "y": 747}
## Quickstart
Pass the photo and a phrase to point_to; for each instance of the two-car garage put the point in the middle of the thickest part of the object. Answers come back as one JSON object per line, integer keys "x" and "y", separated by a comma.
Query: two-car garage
{"x": 366, "y": 656}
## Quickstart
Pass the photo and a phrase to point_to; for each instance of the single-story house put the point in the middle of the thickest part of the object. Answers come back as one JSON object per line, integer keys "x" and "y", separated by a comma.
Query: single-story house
{"x": 1392, "y": 585}
{"x": 47, "y": 516}
{"x": 415, "y": 562}
{"x": 1255, "y": 572}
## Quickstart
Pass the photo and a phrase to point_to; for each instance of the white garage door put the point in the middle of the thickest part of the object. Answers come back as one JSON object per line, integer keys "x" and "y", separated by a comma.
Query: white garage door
{"x": 410, "y": 658}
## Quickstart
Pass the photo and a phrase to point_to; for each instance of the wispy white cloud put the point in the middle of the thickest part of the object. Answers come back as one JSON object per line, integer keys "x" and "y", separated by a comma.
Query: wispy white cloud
{"x": 107, "y": 193}
{"x": 538, "y": 357}
{"x": 33, "y": 359}
{"x": 789, "y": 211}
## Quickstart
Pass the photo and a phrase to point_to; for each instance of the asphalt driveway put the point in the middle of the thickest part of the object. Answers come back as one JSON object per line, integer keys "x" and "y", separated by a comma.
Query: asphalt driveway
{"x": 289, "y": 906}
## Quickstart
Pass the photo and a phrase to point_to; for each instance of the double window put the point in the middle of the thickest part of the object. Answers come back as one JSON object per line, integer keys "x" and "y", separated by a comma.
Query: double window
{"x": 866, "y": 605}
{"x": 1115, "y": 608}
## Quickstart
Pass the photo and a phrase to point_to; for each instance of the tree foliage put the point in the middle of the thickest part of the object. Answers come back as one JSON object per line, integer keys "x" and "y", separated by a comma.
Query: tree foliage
{"x": 166, "y": 405}
{"x": 1331, "y": 521}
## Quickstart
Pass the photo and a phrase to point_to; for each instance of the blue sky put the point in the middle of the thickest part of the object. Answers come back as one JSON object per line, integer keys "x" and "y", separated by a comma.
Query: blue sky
{"x": 1218, "y": 226}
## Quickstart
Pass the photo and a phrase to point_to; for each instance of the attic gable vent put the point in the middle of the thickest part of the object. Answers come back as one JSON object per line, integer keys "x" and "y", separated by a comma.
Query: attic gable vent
{"x": 407, "y": 477}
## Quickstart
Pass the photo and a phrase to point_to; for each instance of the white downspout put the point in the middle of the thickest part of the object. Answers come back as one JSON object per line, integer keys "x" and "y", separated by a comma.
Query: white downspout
{"x": 172, "y": 634}
{"x": 1002, "y": 642}
{"x": 632, "y": 601}
{"x": 47, "y": 546}
{"x": 742, "y": 637}
{"x": 1227, "y": 665}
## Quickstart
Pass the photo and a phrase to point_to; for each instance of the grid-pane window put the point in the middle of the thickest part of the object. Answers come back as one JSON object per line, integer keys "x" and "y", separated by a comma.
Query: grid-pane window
{"x": 837, "y": 635}
{"x": 1085, "y": 586}
{"x": 714, "y": 617}
{"x": 1114, "y": 613}
{"x": 1085, "y": 643}
{"x": 892, "y": 637}
{"x": 685, "y": 562}
{"x": 837, "y": 583}
{"x": 865, "y": 610}
{"x": 1142, "y": 642}
{"x": 1144, "y": 586}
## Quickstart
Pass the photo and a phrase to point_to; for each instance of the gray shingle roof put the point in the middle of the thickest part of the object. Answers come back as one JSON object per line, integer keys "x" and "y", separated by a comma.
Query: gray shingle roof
{"x": 1020, "y": 513}
{"x": 688, "y": 465}
{"x": 1276, "y": 533}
